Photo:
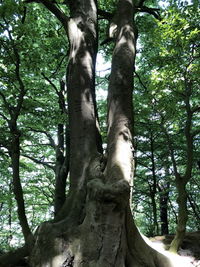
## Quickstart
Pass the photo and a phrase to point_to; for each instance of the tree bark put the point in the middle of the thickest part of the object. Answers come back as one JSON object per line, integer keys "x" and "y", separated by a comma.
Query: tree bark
{"x": 164, "y": 198}
{"x": 181, "y": 181}
{"x": 95, "y": 227}
{"x": 195, "y": 209}
{"x": 153, "y": 188}
{"x": 14, "y": 151}
{"x": 182, "y": 215}
{"x": 62, "y": 155}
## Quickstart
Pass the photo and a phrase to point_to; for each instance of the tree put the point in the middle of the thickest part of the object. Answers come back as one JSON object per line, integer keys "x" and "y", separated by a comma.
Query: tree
{"x": 174, "y": 99}
{"x": 94, "y": 227}
{"x": 96, "y": 208}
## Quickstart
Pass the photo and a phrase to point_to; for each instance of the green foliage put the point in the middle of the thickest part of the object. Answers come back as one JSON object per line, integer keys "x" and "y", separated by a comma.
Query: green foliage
{"x": 167, "y": 61}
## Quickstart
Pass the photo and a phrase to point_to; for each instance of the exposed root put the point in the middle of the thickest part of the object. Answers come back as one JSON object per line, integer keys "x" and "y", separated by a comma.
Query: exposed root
{"x": 15, "y": 258}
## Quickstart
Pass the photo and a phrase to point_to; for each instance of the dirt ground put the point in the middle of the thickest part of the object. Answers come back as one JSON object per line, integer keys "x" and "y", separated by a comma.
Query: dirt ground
{"x": 189, "y": 251}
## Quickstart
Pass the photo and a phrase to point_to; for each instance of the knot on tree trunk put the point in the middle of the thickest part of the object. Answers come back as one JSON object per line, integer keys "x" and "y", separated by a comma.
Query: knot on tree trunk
{"x": 97, "y": 166}
{"x": 117, "y": 192}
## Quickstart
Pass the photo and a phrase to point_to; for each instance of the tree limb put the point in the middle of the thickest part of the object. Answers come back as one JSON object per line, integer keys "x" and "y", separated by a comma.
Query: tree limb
{"x": 151, "y": 11}
{"x": 105, "y": 14}
{"x": 52, "y": 142}
{"x": 5, "y": 101}
{"x": 195, "y": 132}
{"x": 39, "y": 161}
{"x": 19, "y": 79}
{"x": 50, "y": 82}
{"x": 140, "y": 81}
{"x": 54, "y": 9}
{"x": 195, "y": 109}
{"x": 4, "y": 117}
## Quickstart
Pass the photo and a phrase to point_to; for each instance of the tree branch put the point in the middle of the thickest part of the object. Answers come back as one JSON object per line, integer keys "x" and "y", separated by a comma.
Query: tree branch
{"x": 52, "y": 143}
{"x": 17, "y": 73}
{"x": 195, "y": 109}
{"x": 59, "y": 65}
{"x": 4, "y": 117}
{"x": 39, "y": 161}
{"x": 195, "y": 132}
{"x": 171, "y": 149}
{"x": 50, "y": 82}
{"x": 140, "y": 81}
{"x": 105, "y": 14}
{"x": 151, "y": 11}
{"x": 5, "y": 101}
{"x": 54, "y": 9}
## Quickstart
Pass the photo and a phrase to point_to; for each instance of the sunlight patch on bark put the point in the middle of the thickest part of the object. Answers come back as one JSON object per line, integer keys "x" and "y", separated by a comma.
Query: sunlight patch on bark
{"x": 87, "y": 62}
{"x": 75, "y": 32}
{"x": 56, "y": 261}
{"x": 126, "y": 37}
{"x": 122, "y": 159}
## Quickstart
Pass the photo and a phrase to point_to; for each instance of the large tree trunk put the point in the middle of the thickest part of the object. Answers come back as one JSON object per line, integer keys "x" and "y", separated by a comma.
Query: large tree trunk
{"x": 95, "y": 227}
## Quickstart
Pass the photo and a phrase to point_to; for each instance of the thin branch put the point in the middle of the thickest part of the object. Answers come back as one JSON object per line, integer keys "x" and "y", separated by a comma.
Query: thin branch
{"x": 171, "y": 149}
{"x": 52, "y": 142}
{"x": 50, "y": 82}
{"x": 195, "y": 132}
{"x": 59, "y": 65}
{"x": 54, "y": 9}
{"x": 4, "y": 117}
{"x": 4, "y": 101}
{"x": 39, "y": 162}
{"x": 195, "y": 109}
{"x": 105, "y": 14}
{"x": 24, "y": 14}
{"x": 140, "y": 81}
{"x": 152, "y": 11}
{"x": 17, "y": 73}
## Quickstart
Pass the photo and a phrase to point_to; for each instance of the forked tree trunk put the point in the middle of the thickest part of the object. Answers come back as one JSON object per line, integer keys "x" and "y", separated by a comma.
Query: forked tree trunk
{"x": 95, "y": 226}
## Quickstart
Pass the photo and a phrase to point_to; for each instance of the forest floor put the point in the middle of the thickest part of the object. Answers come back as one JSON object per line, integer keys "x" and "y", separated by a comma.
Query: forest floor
{"x": 188, "y": 254}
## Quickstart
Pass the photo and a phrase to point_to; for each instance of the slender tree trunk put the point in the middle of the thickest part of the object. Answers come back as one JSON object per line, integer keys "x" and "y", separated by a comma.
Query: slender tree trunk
{"x": 62, "y": 155}
{"x": 181, "y": 181}
{"x": 153, "y": 188}
{"x": 164, "y": 199}
{"x": 182, "y": 216}
{"x": 10, "y": 207}
{"x": 195, "y": 209}
{"x": 155, "y": 217}
{"x": 17, "y": 188}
